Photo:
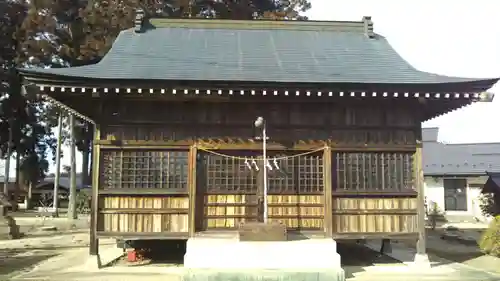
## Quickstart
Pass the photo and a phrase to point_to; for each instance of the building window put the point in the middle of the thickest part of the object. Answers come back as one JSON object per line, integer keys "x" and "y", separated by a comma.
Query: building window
{"x": 455, "y": 194}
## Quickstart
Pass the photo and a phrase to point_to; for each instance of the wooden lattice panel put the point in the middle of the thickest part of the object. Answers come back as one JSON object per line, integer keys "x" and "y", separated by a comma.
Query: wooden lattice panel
{"x": 297, "y": 211}
{"x": 222, "y": 174}
{"x": 374, "y": 171}
{"x": 303, "y": 174}
{"x": 128, "y": 169}
{"x": 228, "y": 211}
{"x": 144, "y": 214}
{"x": 375, "y": 215}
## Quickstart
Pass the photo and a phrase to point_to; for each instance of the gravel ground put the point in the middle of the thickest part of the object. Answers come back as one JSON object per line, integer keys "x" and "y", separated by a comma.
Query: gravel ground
{"x": 52, "y": 254}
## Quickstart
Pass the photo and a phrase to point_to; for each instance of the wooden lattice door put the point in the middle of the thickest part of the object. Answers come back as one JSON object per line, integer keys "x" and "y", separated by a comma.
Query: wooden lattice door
{"x": 227, "y": 188}
{"x": 231, "y": 189}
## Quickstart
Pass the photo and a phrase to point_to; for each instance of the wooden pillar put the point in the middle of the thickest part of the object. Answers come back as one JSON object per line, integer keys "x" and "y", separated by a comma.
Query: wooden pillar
{"x": 419, "y": 186}
{"x": 94, "y": 213}
{"x": 327, "y": 182}
{"x": 72, "y": 209}
{"x": 192, "y": 189}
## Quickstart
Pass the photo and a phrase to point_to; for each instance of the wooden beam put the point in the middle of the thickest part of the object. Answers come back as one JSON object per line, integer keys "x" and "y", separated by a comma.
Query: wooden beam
{"x": 374, "y": 235}
{"x": 143, "y": 235}
{"x": 419, "y": 186}
{"x": 251, "y": 145}
{"x": 143, "y": 191}
{"x": 192, "y": 189}
{"x": 254, "y": 204}
{"x": 374, "y": 193}
{"x": 375, "y": 212}
{"x": 327, "y": 181}
{"x": 142, "y": 211}
{"x": 94, "y": 214}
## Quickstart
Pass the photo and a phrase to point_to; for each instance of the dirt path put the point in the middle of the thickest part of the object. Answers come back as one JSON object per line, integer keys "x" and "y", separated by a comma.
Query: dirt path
{"x": 22, "y": 255}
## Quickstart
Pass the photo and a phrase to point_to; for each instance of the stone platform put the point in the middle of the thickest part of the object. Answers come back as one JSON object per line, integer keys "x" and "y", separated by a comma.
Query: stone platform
{"x": 227, "y": 258}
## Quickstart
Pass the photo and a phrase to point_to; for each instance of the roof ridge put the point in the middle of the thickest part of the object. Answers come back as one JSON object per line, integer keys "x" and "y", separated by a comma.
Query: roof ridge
{"x": 365, "y": 26}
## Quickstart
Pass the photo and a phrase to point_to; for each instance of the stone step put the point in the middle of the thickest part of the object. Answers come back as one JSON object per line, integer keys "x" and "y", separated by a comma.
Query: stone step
{"x": 233, "y": 254}
{"x": 419, "y": 278}
{"x": 422, "y": 276}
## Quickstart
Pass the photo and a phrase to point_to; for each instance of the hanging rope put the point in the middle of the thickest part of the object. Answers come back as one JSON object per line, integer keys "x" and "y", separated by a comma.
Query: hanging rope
{"x": 260, "y": 158}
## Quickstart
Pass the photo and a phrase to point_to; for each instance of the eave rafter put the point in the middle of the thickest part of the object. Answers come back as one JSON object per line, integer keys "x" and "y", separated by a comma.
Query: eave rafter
{"x": 476, "y": 96}
{"x": 61, "y": 106}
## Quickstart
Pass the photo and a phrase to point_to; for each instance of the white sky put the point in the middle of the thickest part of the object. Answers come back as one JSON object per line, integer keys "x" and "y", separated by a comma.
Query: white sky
{"x": 455, "y": 38}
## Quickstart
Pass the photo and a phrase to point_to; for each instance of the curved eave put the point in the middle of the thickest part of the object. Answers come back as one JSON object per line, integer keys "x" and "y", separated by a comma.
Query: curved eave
{"x": 445, "y": 109}
{"x": 447, "y": 85}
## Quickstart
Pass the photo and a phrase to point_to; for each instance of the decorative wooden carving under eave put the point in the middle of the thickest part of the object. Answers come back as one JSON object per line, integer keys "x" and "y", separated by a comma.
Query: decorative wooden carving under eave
{"x": 138, "y": 92}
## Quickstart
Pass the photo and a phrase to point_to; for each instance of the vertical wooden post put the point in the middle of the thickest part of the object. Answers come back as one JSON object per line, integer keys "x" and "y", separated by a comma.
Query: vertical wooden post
{"x": 327, "y": 181}
{"x": 192, "y": 189}
{"x": 419, "y": 186}
{"x": 57, "y": 177}
{"x": 72, "y": 215}
{"x": 94, "y": 213}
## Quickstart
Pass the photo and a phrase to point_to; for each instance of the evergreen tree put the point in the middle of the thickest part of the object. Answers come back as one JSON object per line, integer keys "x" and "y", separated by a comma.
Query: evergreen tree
{"x": 19, "y": 116}
{"x": 79, "y": 32}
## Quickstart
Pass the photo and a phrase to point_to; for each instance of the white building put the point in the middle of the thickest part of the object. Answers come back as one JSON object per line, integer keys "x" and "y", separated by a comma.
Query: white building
{"x": 456, "y": 173}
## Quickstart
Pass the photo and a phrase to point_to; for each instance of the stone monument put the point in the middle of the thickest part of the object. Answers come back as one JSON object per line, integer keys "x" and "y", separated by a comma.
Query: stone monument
{"x": 8, "y": 227}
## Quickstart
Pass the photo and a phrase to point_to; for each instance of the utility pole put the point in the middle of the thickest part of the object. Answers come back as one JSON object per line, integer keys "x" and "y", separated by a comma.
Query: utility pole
{"x": 260, "y": 122}
{"x": 72, "y": 189}
{"x": 58, "y": 164}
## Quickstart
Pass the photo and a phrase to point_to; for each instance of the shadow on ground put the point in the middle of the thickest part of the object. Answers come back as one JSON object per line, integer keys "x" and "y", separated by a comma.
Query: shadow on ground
{"x": 154, "y": 252}
{"x": 452, "y": 250}
{"x": 16, "y": 260}
{"x": 354, "y": 257}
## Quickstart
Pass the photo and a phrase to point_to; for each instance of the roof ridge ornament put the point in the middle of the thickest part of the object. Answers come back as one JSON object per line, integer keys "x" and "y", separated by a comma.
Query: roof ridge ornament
{"x": 139, "y": 20}
{"x": 368, "y": 26}
{"x": 486, "y": 97}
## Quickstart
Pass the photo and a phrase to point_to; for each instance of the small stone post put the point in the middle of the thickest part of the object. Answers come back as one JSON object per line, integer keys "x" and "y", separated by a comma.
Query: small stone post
{"x": 8, "y": 227}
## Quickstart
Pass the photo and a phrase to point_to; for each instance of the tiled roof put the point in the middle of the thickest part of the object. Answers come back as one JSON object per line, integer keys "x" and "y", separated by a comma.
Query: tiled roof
{"x": 255, "y": 51}
{"x": 458, "y": 159}
{"x": 64, "y": 182}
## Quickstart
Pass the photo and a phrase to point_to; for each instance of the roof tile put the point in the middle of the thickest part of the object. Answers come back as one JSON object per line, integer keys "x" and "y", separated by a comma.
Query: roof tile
{"x": 309, "y": 52}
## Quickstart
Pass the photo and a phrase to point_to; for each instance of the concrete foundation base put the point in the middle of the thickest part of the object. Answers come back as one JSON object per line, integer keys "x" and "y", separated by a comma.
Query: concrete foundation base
{"x": 421, "y": 261}
{"x": 93, "y": 263}
{"x": 262, "y": 275}
{"x": 230, "y": 259}
{"x": 230, "y": 253}
{"x": 107, "y": 255}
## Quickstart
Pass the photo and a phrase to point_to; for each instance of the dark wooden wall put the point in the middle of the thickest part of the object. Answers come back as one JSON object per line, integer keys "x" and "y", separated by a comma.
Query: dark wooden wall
{"x": 348, "y": 122}
{"x": 145, "y": 187}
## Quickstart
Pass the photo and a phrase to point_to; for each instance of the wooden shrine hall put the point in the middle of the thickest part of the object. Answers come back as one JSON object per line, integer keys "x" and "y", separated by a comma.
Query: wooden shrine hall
{"x": 176, "y": 153}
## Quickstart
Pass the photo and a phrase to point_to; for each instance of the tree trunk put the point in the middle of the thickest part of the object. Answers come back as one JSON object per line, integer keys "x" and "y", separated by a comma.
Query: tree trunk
{"x": 30, "y": 195}
{"x": 17, "y": 185}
